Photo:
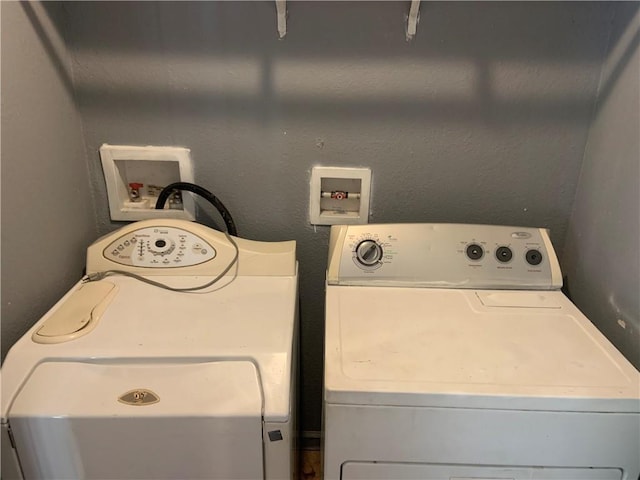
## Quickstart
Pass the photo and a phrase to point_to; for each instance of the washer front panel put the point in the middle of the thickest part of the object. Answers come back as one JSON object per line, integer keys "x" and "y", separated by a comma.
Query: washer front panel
{"x": 159, "y": 247}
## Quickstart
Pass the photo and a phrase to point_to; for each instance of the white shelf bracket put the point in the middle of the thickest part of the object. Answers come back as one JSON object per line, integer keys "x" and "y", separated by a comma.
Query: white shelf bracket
{"x": 413, "y": 19}
{"x": 281, "y": 9}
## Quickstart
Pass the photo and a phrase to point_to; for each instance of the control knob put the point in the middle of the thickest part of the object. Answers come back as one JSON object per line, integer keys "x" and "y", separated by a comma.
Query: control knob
{"x": 368, "y": 253}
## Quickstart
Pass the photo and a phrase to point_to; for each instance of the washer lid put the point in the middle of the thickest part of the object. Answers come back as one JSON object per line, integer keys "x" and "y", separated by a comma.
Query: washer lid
{"x": 249, "y": 318}
{"x": 464, "y": 348}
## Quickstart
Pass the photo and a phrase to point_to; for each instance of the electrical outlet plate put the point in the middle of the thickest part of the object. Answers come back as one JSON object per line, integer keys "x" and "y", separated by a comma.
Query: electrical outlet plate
{"x": 339, "y": 196}
{"x": 154, "y": 168}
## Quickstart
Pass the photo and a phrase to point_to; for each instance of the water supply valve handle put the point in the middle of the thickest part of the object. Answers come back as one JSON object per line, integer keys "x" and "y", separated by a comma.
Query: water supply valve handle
{"x": 339, "y": 195}
{"x": 134, "y": 191}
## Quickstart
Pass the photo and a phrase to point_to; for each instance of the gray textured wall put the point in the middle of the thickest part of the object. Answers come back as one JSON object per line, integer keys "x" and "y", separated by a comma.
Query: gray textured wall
{"x": 602, "y": 260}
{"x": 47, "y": 211}
{"x": 482, "y": 118}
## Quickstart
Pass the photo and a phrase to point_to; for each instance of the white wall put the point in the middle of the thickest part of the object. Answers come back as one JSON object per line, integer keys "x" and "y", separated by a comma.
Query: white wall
{"x": 602, "y": 259}
{"x": 47, "y": 210}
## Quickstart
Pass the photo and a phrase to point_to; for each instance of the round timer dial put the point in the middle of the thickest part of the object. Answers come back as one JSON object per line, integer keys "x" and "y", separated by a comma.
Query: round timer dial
{"x": 368, "y": 253}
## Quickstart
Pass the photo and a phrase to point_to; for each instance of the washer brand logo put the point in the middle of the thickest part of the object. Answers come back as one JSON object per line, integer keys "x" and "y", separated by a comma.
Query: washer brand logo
{"x": 139, "y": 397}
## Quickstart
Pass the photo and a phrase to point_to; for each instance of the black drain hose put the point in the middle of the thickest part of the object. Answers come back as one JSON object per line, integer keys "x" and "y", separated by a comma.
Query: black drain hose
{"x": 204, "y": 193}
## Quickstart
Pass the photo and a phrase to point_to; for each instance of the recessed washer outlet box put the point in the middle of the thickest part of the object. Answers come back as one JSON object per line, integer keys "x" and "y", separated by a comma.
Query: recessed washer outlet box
{"x": 339, "y": 195}
{"x": 136, "y": 175}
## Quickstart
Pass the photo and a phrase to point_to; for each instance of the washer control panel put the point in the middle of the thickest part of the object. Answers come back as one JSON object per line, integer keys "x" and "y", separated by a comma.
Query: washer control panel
{"x": 159, "y": 247}
{"x": 443, "y": 255}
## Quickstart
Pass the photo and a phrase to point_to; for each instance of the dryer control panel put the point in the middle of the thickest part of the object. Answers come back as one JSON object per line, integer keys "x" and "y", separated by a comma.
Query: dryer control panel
{"x": 443, "y": 255}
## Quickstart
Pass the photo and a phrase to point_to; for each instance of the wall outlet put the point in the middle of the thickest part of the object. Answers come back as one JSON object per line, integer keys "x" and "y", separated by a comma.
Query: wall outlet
{"x": 136, "y": 175}
{"x": 339, "y": 195}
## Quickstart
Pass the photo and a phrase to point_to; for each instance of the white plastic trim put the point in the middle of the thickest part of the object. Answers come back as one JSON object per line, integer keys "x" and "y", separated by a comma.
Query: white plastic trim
{"x": 281, "y": 8}
{"x": 120, "y": 208}
{"x": 328, "y": 217}
{"x": 414, "y": 17}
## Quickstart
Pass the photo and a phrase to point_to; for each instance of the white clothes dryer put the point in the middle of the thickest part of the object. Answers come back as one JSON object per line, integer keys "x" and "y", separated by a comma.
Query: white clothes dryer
{"x": 452, "y": 354}
{"x": 124, "y": 380}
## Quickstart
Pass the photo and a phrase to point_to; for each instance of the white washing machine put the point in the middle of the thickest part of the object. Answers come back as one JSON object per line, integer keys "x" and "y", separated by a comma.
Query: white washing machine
{"x": 125, "y": 380}
{"x": 451, "y": 354}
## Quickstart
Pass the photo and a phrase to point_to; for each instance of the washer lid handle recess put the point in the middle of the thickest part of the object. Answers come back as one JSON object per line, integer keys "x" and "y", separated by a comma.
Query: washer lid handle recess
{"x": 78, "y": 313}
